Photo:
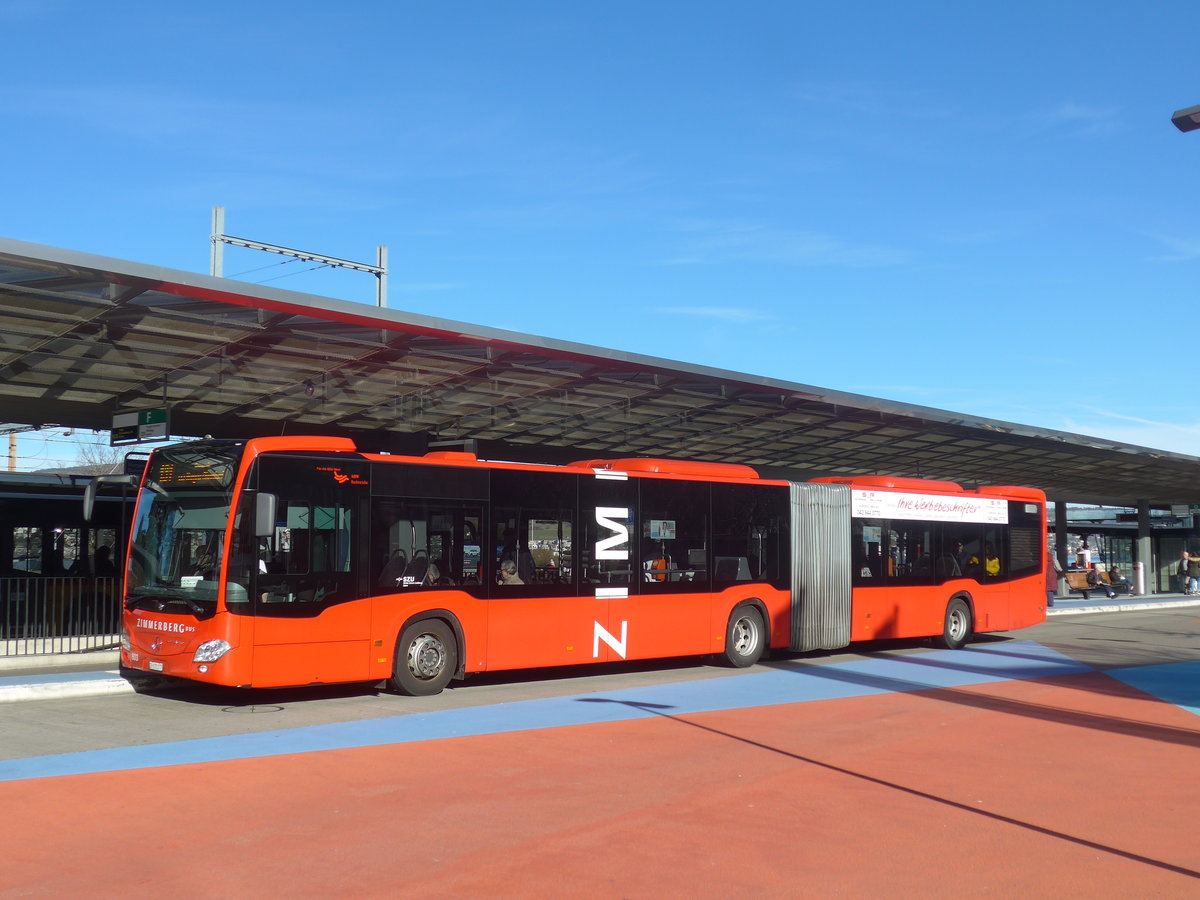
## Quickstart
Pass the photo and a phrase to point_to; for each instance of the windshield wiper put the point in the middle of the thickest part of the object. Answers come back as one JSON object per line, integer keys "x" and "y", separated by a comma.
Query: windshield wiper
{"x": 159, "y": 603}
{"x": 191, "y": 604}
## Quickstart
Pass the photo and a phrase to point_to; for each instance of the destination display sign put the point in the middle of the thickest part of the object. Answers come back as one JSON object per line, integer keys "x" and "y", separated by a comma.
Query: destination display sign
{"x": 927, "y": 507}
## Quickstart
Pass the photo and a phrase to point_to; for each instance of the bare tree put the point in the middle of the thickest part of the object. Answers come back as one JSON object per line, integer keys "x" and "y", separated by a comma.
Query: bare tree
{"x": 102, "y": 458}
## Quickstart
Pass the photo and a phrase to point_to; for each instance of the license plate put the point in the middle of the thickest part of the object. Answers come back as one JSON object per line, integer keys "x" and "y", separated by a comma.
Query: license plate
{"x": 154, "y": 666}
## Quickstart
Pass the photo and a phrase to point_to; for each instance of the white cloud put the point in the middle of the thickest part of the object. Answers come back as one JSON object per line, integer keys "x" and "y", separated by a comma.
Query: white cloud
{"x": 418, "y": 288}
{"x": 1184, "y": 249}
{"x": 728, "y": 313}
{"x": 1088, "y": 120}
{"x": 1176, "y": 437}
{"x": 14, "y": 10}
{"x": 1089, "y": 421}
{"x": 1079, "y": 112}
{"x": 731, "y": 241}
{"x": 873, "y": 101}
{"x": 923, "y": 395}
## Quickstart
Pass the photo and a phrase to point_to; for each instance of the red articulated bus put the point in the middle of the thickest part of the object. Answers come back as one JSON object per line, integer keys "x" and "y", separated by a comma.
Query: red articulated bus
{"x": 300, "y": 560}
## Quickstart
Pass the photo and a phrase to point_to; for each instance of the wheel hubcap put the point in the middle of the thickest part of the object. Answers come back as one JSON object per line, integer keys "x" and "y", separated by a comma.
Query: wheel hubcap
{"x": 958, "y": 624}
{"x": 426, "y": 656}
{"x": 745, "y": 635}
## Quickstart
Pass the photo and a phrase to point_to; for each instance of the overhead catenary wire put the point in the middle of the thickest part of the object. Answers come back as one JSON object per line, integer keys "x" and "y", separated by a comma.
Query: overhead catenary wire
{"x": 301, "y": 272}
{"x": 285, "y": 262}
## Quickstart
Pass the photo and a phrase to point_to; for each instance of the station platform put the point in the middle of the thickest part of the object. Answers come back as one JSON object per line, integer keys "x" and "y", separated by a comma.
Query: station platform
{"x": 95, "y": 673}
{"x": 1073, "y": 605}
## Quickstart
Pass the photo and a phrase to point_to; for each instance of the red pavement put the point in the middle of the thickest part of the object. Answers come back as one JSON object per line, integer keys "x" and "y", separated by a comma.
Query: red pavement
{"x": 1072, "y": 787}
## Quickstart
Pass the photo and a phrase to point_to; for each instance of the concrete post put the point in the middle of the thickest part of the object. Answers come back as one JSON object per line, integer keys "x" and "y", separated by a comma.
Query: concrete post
{"x": 1143, "y": 548}
{"x": 1060, "y": 543}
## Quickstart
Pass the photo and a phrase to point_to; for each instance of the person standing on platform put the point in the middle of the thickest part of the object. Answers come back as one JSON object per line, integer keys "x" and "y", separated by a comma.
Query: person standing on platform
{"x": 1193, "y": 573}
{"x": 1053, "y": 574}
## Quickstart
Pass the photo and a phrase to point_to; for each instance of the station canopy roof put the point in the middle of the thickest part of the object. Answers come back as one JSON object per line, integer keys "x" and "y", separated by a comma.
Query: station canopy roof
{"x": 84, "y": 337}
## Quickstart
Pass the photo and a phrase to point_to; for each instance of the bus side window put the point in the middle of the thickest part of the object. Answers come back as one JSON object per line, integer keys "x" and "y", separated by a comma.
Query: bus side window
{"x": 529, "y": 545}
{"x": 866, "y": 556}
{"x": 674, "y": 536}
{"x": 422, "y": 545}
{"x": 750, "y": 534}
{"x": 912, "y": 546}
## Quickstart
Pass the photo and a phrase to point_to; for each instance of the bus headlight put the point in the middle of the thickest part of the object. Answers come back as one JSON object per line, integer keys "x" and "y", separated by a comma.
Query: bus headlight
{"x": 126, "y": 643}
{"x": 211, "y": 651}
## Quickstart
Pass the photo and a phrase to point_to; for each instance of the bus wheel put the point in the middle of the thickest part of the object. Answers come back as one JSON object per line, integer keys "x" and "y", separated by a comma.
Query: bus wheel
{"x": 958, "y": 627}
{"x": 744, "y": 637}
{"x": 426, "y": 657}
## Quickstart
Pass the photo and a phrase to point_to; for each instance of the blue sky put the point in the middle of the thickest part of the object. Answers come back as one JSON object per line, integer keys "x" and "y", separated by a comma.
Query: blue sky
{"x": 981, "y": 207}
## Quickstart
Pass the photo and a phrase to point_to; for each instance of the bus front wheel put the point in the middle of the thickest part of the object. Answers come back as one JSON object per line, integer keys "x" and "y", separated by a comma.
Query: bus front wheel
{"x": 745, "y": 637}
{"x": 426, "y": 658}
{"x": 958, "y": 626}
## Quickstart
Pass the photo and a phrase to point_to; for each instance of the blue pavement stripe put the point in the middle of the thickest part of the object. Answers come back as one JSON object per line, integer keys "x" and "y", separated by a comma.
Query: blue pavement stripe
{"x": 56, "y": 678}
{"x": 792, "y": 682}
{"x": 1177, "y": 683}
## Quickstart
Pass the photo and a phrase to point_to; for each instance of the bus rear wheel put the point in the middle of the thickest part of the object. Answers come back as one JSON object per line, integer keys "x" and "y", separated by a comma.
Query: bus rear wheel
{"x": 745, "y": 637}
{"x": 426, "y": 659}
{"x": 958, "y": 625}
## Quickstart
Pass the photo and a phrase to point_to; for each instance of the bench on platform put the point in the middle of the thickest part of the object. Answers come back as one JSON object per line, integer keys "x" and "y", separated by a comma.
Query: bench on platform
{"x": 1078, "y": 583}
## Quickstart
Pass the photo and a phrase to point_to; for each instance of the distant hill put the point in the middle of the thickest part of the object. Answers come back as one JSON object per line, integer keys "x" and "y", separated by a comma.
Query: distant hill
{"x": 96, "y": 469}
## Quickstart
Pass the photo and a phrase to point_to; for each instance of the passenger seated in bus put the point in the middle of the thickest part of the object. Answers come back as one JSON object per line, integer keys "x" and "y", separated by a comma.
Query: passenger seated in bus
{"x": 656, "y": 562}
{"x": 521, "y": 556}
{"x": 991, "y": 561}
{"x": 508, "y": 573}
{"x": 434, "y": 577}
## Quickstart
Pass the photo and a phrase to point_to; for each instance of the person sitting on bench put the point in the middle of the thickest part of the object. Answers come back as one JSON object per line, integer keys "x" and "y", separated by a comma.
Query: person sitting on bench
{"x": 1095, "y": 581}
{"x": 1119, "y": 582}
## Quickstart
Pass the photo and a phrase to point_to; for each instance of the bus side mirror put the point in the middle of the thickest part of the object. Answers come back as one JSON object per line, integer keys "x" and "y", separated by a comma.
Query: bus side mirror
{"x": 265, "y": 506}
{"x": 89, "y": 492}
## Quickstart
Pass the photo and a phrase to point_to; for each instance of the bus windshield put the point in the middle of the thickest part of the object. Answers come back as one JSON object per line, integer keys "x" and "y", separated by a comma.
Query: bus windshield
{"x": 179, "y": 528}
